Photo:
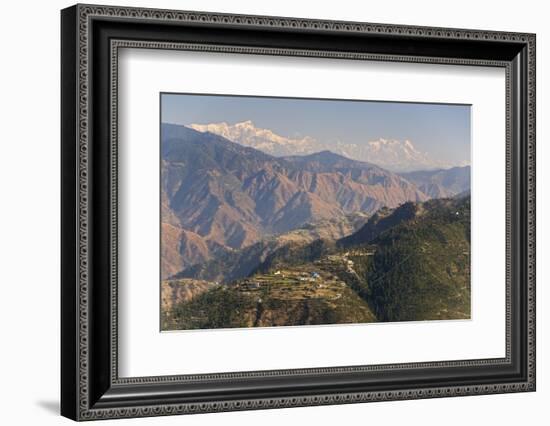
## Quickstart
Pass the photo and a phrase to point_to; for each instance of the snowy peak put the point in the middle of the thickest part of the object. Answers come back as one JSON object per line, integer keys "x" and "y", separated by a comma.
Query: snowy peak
{"x": 391, "y": 154}
{"x": 247, "y": 134}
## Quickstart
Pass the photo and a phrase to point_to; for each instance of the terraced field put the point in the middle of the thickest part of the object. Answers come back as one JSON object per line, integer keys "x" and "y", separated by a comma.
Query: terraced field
{"x": 303, "y": 295}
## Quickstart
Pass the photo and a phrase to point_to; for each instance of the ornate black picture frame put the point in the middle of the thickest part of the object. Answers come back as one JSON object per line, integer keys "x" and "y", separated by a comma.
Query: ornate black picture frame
{"x": 90, "y": 38}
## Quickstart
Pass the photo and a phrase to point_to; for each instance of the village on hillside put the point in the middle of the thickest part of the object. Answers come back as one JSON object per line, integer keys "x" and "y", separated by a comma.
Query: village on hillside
{"x": 321, "y": 279}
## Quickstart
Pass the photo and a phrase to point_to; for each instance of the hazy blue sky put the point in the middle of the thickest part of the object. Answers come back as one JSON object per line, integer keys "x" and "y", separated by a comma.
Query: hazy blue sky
{"x": 441, "y": 130}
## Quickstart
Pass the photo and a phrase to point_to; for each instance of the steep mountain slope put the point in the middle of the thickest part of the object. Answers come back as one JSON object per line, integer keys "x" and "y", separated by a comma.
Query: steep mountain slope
{"x": 236, "y": 264}
{"x": 382, "y": 220}
{"x": 419, "y": 265}
{"x": 441, "y": 183}
{"x": 396, "y": 155}
{"x": 180, "y": 248}
{"x": 232, "y": 196}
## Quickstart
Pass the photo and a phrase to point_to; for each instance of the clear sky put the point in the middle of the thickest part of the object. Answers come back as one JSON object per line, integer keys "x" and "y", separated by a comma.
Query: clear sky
{"x": 441, "y": 130}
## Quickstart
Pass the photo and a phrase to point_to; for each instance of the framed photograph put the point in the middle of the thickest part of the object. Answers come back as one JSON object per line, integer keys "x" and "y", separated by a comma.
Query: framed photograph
{"x": 263, "y": 212}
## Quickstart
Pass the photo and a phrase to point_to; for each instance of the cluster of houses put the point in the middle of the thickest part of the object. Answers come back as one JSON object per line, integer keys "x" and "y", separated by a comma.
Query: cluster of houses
{"x": 312, "y": 277}
{"x": 315, "y": 278}
{"x": 343, "y": 258}
{"x": 304, "y": 277}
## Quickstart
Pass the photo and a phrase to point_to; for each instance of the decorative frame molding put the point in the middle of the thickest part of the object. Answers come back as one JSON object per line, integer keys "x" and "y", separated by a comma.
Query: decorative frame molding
{"x": 91, "y": 388}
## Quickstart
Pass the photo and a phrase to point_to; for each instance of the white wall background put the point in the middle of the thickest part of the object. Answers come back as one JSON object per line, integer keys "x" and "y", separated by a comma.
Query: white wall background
{"x": 29, "y": 225}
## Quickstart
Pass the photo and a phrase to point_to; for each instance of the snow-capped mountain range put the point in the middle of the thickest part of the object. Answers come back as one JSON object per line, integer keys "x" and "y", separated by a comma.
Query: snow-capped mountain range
{"x": 394, "y": 155}
{"x": 247, "y": 134}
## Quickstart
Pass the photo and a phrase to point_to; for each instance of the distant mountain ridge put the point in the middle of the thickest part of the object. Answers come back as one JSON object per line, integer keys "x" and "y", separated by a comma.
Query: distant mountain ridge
{"x": 391, "y": 154}
{"x": 441, "y": 183}
{"x": 217, "y": 195}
